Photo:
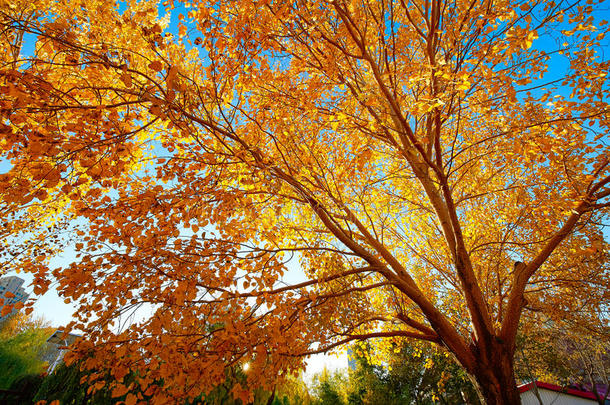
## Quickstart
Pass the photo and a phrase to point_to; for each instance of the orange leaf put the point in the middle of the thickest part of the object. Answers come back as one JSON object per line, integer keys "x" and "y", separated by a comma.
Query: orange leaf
{"x": 119, "y": 391}
{"x": 156, "y": 66}
{"x": 131, "y": 399}
{"x": 126, "y": 79}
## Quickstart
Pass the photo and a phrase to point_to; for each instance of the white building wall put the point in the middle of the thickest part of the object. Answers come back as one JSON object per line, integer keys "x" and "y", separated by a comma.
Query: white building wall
{"x": 553, "y": 398}
{"x": 12, "y": 284}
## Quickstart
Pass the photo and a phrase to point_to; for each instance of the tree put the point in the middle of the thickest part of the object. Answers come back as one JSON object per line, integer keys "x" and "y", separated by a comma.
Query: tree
{"x": 292, "y": 391}
{"x": 22, "y": 390}
{"x": 427, "y": 163}
{"x": 567, "y": 356}
{"x": 328, "y": 388}
{"x": 23, "y": 345}
{"x": 411, "y": 374}
{"x": 590, "y": 360}
{"x": 70, "y": 385}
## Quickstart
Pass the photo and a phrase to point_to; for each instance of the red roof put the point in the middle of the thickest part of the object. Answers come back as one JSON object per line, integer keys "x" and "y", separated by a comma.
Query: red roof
{"x": 557, "y": 388}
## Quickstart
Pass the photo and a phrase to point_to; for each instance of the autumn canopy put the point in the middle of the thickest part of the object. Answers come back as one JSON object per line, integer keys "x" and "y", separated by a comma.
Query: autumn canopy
{"x": 254, "y": 181}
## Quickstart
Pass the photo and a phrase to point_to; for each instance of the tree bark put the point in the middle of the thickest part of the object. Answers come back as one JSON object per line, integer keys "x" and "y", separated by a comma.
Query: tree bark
{"x": 494, "y": 376}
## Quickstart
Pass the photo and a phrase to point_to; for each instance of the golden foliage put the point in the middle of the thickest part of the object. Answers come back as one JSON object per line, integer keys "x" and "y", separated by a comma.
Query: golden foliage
{"x": 405, "y": 154}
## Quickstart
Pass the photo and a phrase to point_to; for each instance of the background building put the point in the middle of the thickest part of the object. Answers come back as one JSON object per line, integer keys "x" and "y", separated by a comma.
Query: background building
{"x": 535, "y": 392}
{"x": 11, "y": 291}
{"x": 58, "y": 343}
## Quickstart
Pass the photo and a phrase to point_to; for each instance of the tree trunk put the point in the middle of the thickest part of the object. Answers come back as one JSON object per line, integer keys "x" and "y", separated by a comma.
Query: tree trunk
{"x": 495, "y": 379}
{"x": 497, "y": 390}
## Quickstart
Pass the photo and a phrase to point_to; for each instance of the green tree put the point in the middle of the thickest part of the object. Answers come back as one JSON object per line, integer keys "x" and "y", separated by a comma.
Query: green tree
{"x": 412, "y": 374}
{"x": 329, "y": 387}
{"x": 22, "y": 390}
{"x": 71, "y": 385}
{"x": 66, "y": 384}
{"x": 22, "y": 348}
{"x": 236, "y": 378}
{"x": 292, "y": 391}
